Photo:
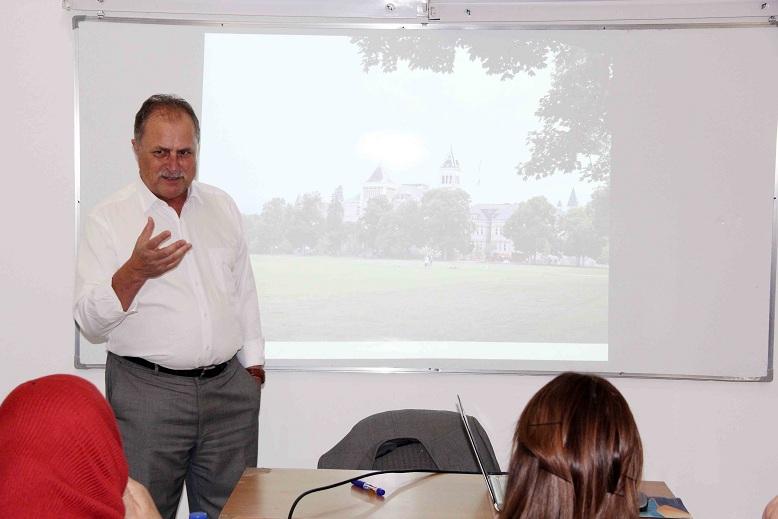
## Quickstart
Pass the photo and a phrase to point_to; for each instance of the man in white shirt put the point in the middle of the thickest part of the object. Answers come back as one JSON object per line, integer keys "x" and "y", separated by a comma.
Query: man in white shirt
{"x": 164, "y": 277}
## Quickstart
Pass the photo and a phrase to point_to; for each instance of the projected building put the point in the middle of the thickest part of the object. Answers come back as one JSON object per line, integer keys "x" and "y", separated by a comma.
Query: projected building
{"x": 488, "y": 219}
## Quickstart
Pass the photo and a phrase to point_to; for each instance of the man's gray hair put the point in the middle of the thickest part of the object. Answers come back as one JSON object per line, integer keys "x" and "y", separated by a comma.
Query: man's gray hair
{"x": 170, "y": 102}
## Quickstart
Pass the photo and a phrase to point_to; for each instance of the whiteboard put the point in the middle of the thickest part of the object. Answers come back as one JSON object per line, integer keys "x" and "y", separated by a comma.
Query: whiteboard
{"x": 693, "y": 161}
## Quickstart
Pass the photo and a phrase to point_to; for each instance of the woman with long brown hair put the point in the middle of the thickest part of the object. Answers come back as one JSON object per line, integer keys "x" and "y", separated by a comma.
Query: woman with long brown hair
{"x": 576, "y": 454}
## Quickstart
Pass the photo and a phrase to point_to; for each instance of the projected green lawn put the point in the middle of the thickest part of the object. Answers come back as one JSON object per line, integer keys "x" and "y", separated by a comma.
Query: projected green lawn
{"x": 315, "y": 298}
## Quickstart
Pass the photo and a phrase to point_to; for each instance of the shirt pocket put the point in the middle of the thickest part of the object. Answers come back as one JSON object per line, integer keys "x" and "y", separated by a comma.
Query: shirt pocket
{"x": 222, "y": 261}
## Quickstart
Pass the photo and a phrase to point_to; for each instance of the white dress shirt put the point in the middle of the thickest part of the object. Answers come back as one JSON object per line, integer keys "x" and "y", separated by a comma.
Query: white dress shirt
{"x": 202, "y": 312}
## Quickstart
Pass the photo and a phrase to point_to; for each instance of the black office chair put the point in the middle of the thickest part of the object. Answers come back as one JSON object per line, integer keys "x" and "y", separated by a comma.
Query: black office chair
{"x": 411, "y": 439}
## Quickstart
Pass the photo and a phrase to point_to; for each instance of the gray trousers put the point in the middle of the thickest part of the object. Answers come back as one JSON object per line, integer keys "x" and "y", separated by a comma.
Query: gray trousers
{"x": 202, "y": 432}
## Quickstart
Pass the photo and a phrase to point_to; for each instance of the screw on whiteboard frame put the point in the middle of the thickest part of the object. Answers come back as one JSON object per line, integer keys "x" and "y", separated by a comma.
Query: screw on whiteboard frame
{"x": 101, "y": 14}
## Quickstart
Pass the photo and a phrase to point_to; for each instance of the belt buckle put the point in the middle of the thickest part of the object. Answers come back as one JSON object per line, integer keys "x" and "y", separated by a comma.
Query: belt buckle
{"x": 205, "y": 369}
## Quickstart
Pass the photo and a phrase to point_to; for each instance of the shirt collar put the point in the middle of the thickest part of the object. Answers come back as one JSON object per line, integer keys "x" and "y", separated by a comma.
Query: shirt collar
{"x": 148, "y": 199}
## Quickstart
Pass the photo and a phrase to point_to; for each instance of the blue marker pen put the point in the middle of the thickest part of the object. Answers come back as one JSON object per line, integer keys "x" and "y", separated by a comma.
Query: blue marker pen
{"x": 368, "y": 486}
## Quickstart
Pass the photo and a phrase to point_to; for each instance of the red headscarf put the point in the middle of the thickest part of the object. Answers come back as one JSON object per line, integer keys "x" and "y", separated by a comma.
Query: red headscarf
{"x": 60, "y": 452}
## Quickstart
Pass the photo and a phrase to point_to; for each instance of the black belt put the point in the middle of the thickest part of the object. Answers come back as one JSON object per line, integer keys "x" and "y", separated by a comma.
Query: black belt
{"x": 204, "y": 372}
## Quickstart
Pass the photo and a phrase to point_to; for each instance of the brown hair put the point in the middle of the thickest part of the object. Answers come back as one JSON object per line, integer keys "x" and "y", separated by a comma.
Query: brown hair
{"x": 170, "y": 103}
{"x": 576, "y": 454}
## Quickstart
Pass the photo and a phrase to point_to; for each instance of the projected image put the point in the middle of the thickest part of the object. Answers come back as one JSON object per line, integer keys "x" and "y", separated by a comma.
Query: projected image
{"x": 424, "y": 187}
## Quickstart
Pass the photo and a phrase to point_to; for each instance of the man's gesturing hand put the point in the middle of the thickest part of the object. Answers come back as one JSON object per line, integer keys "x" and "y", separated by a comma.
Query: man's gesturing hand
{"x": 147, "y": 261}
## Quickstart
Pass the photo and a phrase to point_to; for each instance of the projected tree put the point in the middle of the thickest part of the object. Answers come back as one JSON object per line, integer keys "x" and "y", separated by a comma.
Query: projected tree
{"x": 574, "y": 135}
{"x": 600, "y": 210}
{"x": 305, "y": 221}
{"x": 332, "y": 239}
{"x": 266, "y": 232}
{"x": 373, "y": 222}
{"x": 446, "y": 220}
{"x": 577, "y": 234}
{"x": 401, "y": 229}
{"x": 532, "y": 226}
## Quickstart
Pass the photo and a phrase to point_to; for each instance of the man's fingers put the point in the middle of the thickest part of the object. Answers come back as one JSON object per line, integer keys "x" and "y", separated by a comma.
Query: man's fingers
{"x": 158, "y": 240}
{"x": 146, "y": 241}
{"x": 163, "y": 261}
{"x": 148, "y": 230}
{"x": 174, "y": 263}
{"x": 168, "y": 258}
{"x": 177, "y": 249}
{"x": 175, "y": 253}
{"x": 150, "y": 258}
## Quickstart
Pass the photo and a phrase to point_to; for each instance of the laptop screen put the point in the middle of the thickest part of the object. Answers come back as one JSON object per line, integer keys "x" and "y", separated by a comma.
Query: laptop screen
{"x": 495, "y": 492}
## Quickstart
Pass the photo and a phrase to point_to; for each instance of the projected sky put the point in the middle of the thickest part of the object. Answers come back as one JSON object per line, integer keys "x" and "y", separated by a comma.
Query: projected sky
{"x": 288, "y": 114}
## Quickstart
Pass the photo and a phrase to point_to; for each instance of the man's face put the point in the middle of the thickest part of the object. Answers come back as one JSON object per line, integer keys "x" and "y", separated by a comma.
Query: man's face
{"x": 167, "y": 156}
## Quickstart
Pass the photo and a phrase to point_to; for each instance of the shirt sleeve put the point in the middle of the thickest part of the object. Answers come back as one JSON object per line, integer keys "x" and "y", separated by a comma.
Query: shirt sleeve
{"x": 96, "y": 307}
{"x": 253, "y": 351}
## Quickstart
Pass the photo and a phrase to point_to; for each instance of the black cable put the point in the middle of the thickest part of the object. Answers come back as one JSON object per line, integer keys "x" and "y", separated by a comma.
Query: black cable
{"x": 367, "y": 475}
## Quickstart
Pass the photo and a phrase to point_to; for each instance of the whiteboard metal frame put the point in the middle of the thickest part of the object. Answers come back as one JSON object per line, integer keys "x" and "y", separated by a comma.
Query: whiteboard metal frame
{"x": 592, "y": 12}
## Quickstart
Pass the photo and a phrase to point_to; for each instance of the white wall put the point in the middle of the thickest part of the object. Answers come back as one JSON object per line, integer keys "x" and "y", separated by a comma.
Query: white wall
{"x": 712, "y": 442}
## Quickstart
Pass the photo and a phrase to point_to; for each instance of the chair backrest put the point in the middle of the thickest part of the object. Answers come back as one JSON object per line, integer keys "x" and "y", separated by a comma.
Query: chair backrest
{"x": 411, "y": 439}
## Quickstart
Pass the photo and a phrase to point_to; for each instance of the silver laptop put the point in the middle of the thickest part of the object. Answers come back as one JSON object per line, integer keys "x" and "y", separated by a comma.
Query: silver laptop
{"x": 494, "y": 483}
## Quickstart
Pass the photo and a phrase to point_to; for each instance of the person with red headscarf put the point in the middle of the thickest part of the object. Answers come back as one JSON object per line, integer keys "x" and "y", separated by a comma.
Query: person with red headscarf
{"x": 771, "y": 510}
{"x": 61, "y": 455}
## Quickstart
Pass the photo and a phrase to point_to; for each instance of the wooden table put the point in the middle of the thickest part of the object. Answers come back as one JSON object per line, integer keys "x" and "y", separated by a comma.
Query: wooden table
{"x": 269, "y": 493}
